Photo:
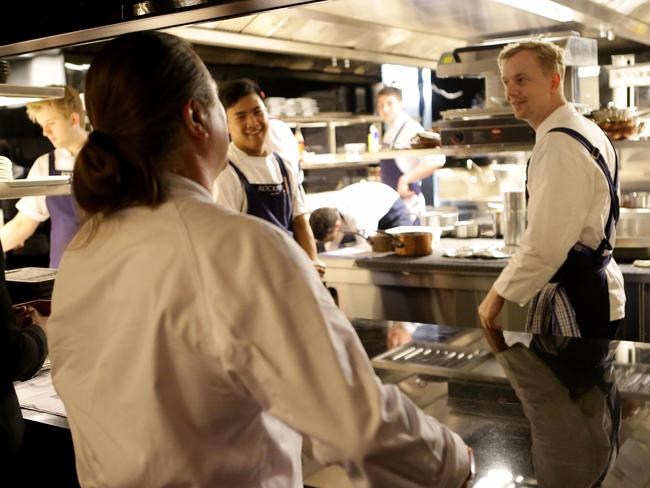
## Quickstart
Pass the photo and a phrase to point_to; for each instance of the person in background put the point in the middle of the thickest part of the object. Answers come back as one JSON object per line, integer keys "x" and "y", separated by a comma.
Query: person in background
{"x": 404, "y": 174}
{"x": 566, "y": 251}
{"x": 257, "y": 181}
{"x": 360, "y": 207}
{"x": 212, "y": 327}
{"x": 63, "y": 123}
{"x": 23, "y": 348}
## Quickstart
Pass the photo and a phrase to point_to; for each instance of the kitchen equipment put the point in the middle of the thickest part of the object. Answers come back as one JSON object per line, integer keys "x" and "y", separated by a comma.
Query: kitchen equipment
{"x": 444, "y": 217}
{"x": 27, "y": 284}
{"x": 514, "y": 208}
{"x": 413, "y": 243}
{"x": 466, "y": 229}
{"x": 496, "y": 222}
{"x": 636, "y": 199}
{"x": 381, "y": 242}
{"x": 354, "y": 150}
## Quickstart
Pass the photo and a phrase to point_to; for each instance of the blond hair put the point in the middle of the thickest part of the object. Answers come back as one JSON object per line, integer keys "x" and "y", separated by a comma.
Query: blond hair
{"x": 66, "y": 106}
{"x": 550, "y": 56}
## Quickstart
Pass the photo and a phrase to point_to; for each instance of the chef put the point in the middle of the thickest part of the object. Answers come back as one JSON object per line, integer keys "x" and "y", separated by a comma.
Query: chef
{"x": 359, "y": 208}
{"x": 63, "y": 123}
{"x": 566, "y": 251}
{"x": 257, "y": 181}
{"x": 404, "y": 174}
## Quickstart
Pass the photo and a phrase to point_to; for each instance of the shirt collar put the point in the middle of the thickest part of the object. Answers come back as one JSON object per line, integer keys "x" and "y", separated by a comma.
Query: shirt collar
{"x": 399, "y": 120}
{"x": 554, "y": 120}
{"x": 181, "y": 184}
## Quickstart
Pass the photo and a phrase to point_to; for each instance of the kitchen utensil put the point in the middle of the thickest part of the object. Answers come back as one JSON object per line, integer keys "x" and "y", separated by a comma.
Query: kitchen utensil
{"x": 381, "y": 242}
{"x": 514, "y": 208}
{"x": 466, "y": 229}
{"x": 413, "y": 244}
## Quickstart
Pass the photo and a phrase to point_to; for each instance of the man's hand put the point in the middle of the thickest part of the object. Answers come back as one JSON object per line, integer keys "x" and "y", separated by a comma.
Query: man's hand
{"x": 35, "y": 312}
{"x": 489, "y": 309}
{"x": 320, "y": 267}
{"x": 403, "y": 188}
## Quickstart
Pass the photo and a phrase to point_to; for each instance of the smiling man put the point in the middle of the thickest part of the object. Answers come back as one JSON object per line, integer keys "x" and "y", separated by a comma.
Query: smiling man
{"x": 63, "y": 123}
{"x": 257, "y": 181}
{"x": 564, "y": 266}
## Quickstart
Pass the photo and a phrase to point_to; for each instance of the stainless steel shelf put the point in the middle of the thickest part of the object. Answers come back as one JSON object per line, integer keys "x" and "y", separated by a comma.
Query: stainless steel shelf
{"x": 46, "y": 186}
{"x": 341, "y": 160}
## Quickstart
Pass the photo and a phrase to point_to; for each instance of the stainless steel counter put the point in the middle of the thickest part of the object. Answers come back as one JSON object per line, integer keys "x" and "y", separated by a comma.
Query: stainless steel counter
{"x": 537, "y": 410}
{"x": 437, "y": 289}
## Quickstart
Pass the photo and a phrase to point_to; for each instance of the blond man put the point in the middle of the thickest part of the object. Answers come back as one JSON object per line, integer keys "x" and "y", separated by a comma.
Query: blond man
{"x": 564, "y": 266}
{"x": 63, "y": 123}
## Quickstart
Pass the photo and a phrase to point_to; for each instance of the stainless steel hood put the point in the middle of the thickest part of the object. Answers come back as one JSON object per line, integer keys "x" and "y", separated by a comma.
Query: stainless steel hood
{"x": 409, "y": 32}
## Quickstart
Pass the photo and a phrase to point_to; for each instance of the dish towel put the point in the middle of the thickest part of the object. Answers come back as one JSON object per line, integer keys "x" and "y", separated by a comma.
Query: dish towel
{"x": 551, "y": 313}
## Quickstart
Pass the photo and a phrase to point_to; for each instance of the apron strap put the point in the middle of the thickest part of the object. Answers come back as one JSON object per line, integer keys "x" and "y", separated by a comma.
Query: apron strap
{"x": 285, "y": 175}
{"x": 614, "y": 210}
{"x": 241, "y": 175}
{"x": 392, "y": 144}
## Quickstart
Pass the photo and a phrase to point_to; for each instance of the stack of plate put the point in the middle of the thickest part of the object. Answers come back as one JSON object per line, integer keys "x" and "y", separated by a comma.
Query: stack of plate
{"x": 275, "y": 105}
{"x": 5, "y": 169}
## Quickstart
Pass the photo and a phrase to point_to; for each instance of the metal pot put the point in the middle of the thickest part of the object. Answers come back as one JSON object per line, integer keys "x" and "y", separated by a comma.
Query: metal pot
{"x": 381, "y": 242}
{"x": 444, "y": 217}
{"x": 413, "y": 244}
{"x": 466, "y": 229}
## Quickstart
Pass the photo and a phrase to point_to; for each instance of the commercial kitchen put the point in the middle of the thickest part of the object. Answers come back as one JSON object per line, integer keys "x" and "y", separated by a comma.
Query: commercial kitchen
{"x": 320, "y": 64}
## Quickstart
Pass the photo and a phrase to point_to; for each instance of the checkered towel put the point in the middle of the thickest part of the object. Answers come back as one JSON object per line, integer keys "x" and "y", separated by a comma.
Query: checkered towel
{"x": 551, "y": 313}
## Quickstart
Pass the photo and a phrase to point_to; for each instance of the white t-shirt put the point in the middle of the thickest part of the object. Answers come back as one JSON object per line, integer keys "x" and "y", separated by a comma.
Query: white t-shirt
{"x": 229, "y": 190}
{"x": 569, "y": 203}
{"x": 35, "y": 207}
{"x": 280, "y": 139}
{"x": 194, "y": 353}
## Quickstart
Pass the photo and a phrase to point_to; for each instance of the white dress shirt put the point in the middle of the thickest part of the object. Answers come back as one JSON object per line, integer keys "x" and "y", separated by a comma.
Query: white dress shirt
{"x": 569, "y": 203}
{"x": 35, "y": 207}
{"x": 229, "y": 190}
{"x": 194, "y": 346}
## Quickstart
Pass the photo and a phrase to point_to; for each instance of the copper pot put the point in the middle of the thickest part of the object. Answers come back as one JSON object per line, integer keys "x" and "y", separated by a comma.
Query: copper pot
{"x": 381, "y": 242}
{"x": 413, "y": 244}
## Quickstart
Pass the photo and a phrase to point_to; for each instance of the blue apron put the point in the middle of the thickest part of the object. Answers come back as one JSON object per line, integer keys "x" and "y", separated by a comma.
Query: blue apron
{"x": 390, "y": 172}
{"x": 583, "y": 272}
{"x": 270, "y": 201}
{"x": 64, "y": 219}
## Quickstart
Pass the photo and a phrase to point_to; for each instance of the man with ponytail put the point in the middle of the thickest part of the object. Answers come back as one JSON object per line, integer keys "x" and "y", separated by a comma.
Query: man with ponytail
{"x": 188, "y": 341}
{"x": 63, "y": 123}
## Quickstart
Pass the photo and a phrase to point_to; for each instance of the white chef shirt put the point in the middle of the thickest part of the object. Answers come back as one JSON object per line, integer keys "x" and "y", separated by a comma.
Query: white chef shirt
{"x": 569, "y": 203}
{"x": 35, "y": 207}
{"x": 194, "y": 346}
{"x": 280, "y": 139}
{"x": 364, "y": 204}
{"x": 394, "y": 138}
{"x": 229, "y": 191}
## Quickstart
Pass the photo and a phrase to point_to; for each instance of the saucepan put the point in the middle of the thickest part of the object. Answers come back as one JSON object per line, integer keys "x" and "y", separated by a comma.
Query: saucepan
{"x": 403, "y": 243}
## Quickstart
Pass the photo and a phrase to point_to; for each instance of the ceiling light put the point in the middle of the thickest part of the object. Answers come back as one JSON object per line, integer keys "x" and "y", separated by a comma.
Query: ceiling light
{"x": 545, "y": 8}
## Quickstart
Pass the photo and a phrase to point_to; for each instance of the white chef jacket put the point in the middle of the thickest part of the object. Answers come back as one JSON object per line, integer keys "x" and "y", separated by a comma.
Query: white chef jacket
{"x": 569, "y": 203}
{"x": 361, "y": 206}
{"x": 280, "y": 139}
{"x": 394, "y": 138}
{"x": 229, "y": 191}
{"x": 194, "y": 346}
{"x": 35, "y": 207}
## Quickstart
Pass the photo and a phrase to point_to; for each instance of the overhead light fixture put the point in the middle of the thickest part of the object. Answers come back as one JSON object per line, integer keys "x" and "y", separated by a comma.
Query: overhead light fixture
{"x": 545, "y": 8}
{"x": 11, "y": 95}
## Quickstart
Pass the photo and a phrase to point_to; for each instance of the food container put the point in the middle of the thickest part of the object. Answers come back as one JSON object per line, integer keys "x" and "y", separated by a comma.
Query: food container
{"x": 466, "y": 229}
{"x": 444, "y": 217}
{"x": 413, "y": 243}
{"x": 381, "y": 242}
{"x": 354, "y": 150}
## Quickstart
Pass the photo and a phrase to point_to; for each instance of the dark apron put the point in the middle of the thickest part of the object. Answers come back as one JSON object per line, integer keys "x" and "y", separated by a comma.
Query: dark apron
{"x": 270, "y": 201}
{"x": 64, "y": 219}
{"x": 396, "y": 216}
{"x": 390, "y": 172}
{"x": 583, "y": 272}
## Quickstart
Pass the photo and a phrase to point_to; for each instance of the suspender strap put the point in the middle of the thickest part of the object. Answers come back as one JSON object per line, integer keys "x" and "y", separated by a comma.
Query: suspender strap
{"x": 595, "y": 153}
